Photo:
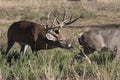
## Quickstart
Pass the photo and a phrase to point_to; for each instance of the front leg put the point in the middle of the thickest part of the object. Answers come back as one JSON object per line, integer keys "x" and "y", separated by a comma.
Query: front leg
{"x": 117, "y": 57}
{"x": 34, "y": 50}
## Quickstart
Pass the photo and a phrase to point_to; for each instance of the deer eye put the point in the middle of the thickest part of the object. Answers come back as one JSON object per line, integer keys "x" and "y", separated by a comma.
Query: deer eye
{"x": 56, "y": 31}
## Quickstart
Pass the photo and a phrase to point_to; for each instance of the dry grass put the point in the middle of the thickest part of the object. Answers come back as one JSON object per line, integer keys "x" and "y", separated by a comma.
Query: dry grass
{"x": 13, "y": 10}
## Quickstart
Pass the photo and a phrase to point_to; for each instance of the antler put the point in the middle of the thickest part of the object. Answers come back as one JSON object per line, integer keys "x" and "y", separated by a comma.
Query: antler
{"x": 66, "y": 22}
{"x": 60, "y": 24}
{"x": 71, "y": 21}
{"x": 52, "y": 26}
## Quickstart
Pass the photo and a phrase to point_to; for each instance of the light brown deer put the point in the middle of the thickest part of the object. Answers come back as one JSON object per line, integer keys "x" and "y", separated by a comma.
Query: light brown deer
{"x": 99, "y": 38}
{"x": 38, "y": 36}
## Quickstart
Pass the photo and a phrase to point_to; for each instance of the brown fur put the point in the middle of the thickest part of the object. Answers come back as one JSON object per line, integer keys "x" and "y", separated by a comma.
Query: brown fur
{"x": 34, "y": 35}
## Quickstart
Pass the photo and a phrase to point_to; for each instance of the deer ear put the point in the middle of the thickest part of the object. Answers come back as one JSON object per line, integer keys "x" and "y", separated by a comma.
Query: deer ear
{"x": 50, "y": 37}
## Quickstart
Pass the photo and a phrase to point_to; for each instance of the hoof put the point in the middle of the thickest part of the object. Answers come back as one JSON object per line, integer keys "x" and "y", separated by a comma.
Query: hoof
{"x": 78, "y": 56}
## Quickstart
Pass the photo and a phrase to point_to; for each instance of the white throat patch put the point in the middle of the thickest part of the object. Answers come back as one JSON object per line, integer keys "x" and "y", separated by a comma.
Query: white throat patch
{"x": 50, "y": 37}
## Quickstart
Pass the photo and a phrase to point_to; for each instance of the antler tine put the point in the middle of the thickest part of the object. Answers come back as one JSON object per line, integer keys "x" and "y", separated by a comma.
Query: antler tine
{"x": 48, "y": 19}
{"x": 67, "y": 23}
{"x": 58, "y": 22}
{"x": 70, "y": 18}
{"x": 53, "y": 22}
{"x": 64, "y": 14}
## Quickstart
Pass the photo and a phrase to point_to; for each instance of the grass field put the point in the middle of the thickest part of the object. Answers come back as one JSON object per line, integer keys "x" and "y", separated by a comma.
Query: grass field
{"x": 58, "y": 64}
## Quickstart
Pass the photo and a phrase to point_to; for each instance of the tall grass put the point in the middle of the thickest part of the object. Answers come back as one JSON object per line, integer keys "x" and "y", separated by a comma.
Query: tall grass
{"x": 57, "y": 64}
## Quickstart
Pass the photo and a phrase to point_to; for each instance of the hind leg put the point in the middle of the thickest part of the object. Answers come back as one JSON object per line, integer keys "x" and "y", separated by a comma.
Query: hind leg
{"x": 23, "y": 48}
{"x": 10, "y": 44}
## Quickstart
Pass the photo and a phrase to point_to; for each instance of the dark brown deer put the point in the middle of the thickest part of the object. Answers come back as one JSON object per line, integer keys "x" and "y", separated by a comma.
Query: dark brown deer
{"x": 38, "y": 36}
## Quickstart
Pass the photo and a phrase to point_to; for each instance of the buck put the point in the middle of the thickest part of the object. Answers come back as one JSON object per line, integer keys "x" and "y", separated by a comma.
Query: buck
{"x": 38, "y": 36}
{"x": 96, "y": 39}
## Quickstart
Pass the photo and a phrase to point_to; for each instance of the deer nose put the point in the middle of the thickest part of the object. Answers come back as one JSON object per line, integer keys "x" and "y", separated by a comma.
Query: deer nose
{"x": 70, "y": 46}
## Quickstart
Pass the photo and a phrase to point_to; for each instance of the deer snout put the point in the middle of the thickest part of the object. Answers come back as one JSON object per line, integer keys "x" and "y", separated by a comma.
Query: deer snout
{"x": 65, "y": 43}
{"x": 70, "y": 46}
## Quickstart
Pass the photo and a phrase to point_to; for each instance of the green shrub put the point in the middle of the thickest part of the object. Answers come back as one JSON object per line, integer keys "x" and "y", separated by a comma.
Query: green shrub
{"x": 56, "y": 64}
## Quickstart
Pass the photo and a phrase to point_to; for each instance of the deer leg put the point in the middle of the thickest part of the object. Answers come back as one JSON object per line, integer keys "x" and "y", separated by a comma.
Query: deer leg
{"x": 34, "y": 50}
{"x": 117, "y": 54}
{"x": 10, "y": 44}
{"x": 24, "y": 48}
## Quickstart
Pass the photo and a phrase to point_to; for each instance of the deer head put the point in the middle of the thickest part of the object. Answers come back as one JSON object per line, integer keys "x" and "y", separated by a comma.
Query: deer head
{"x": 54, "y": 30}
